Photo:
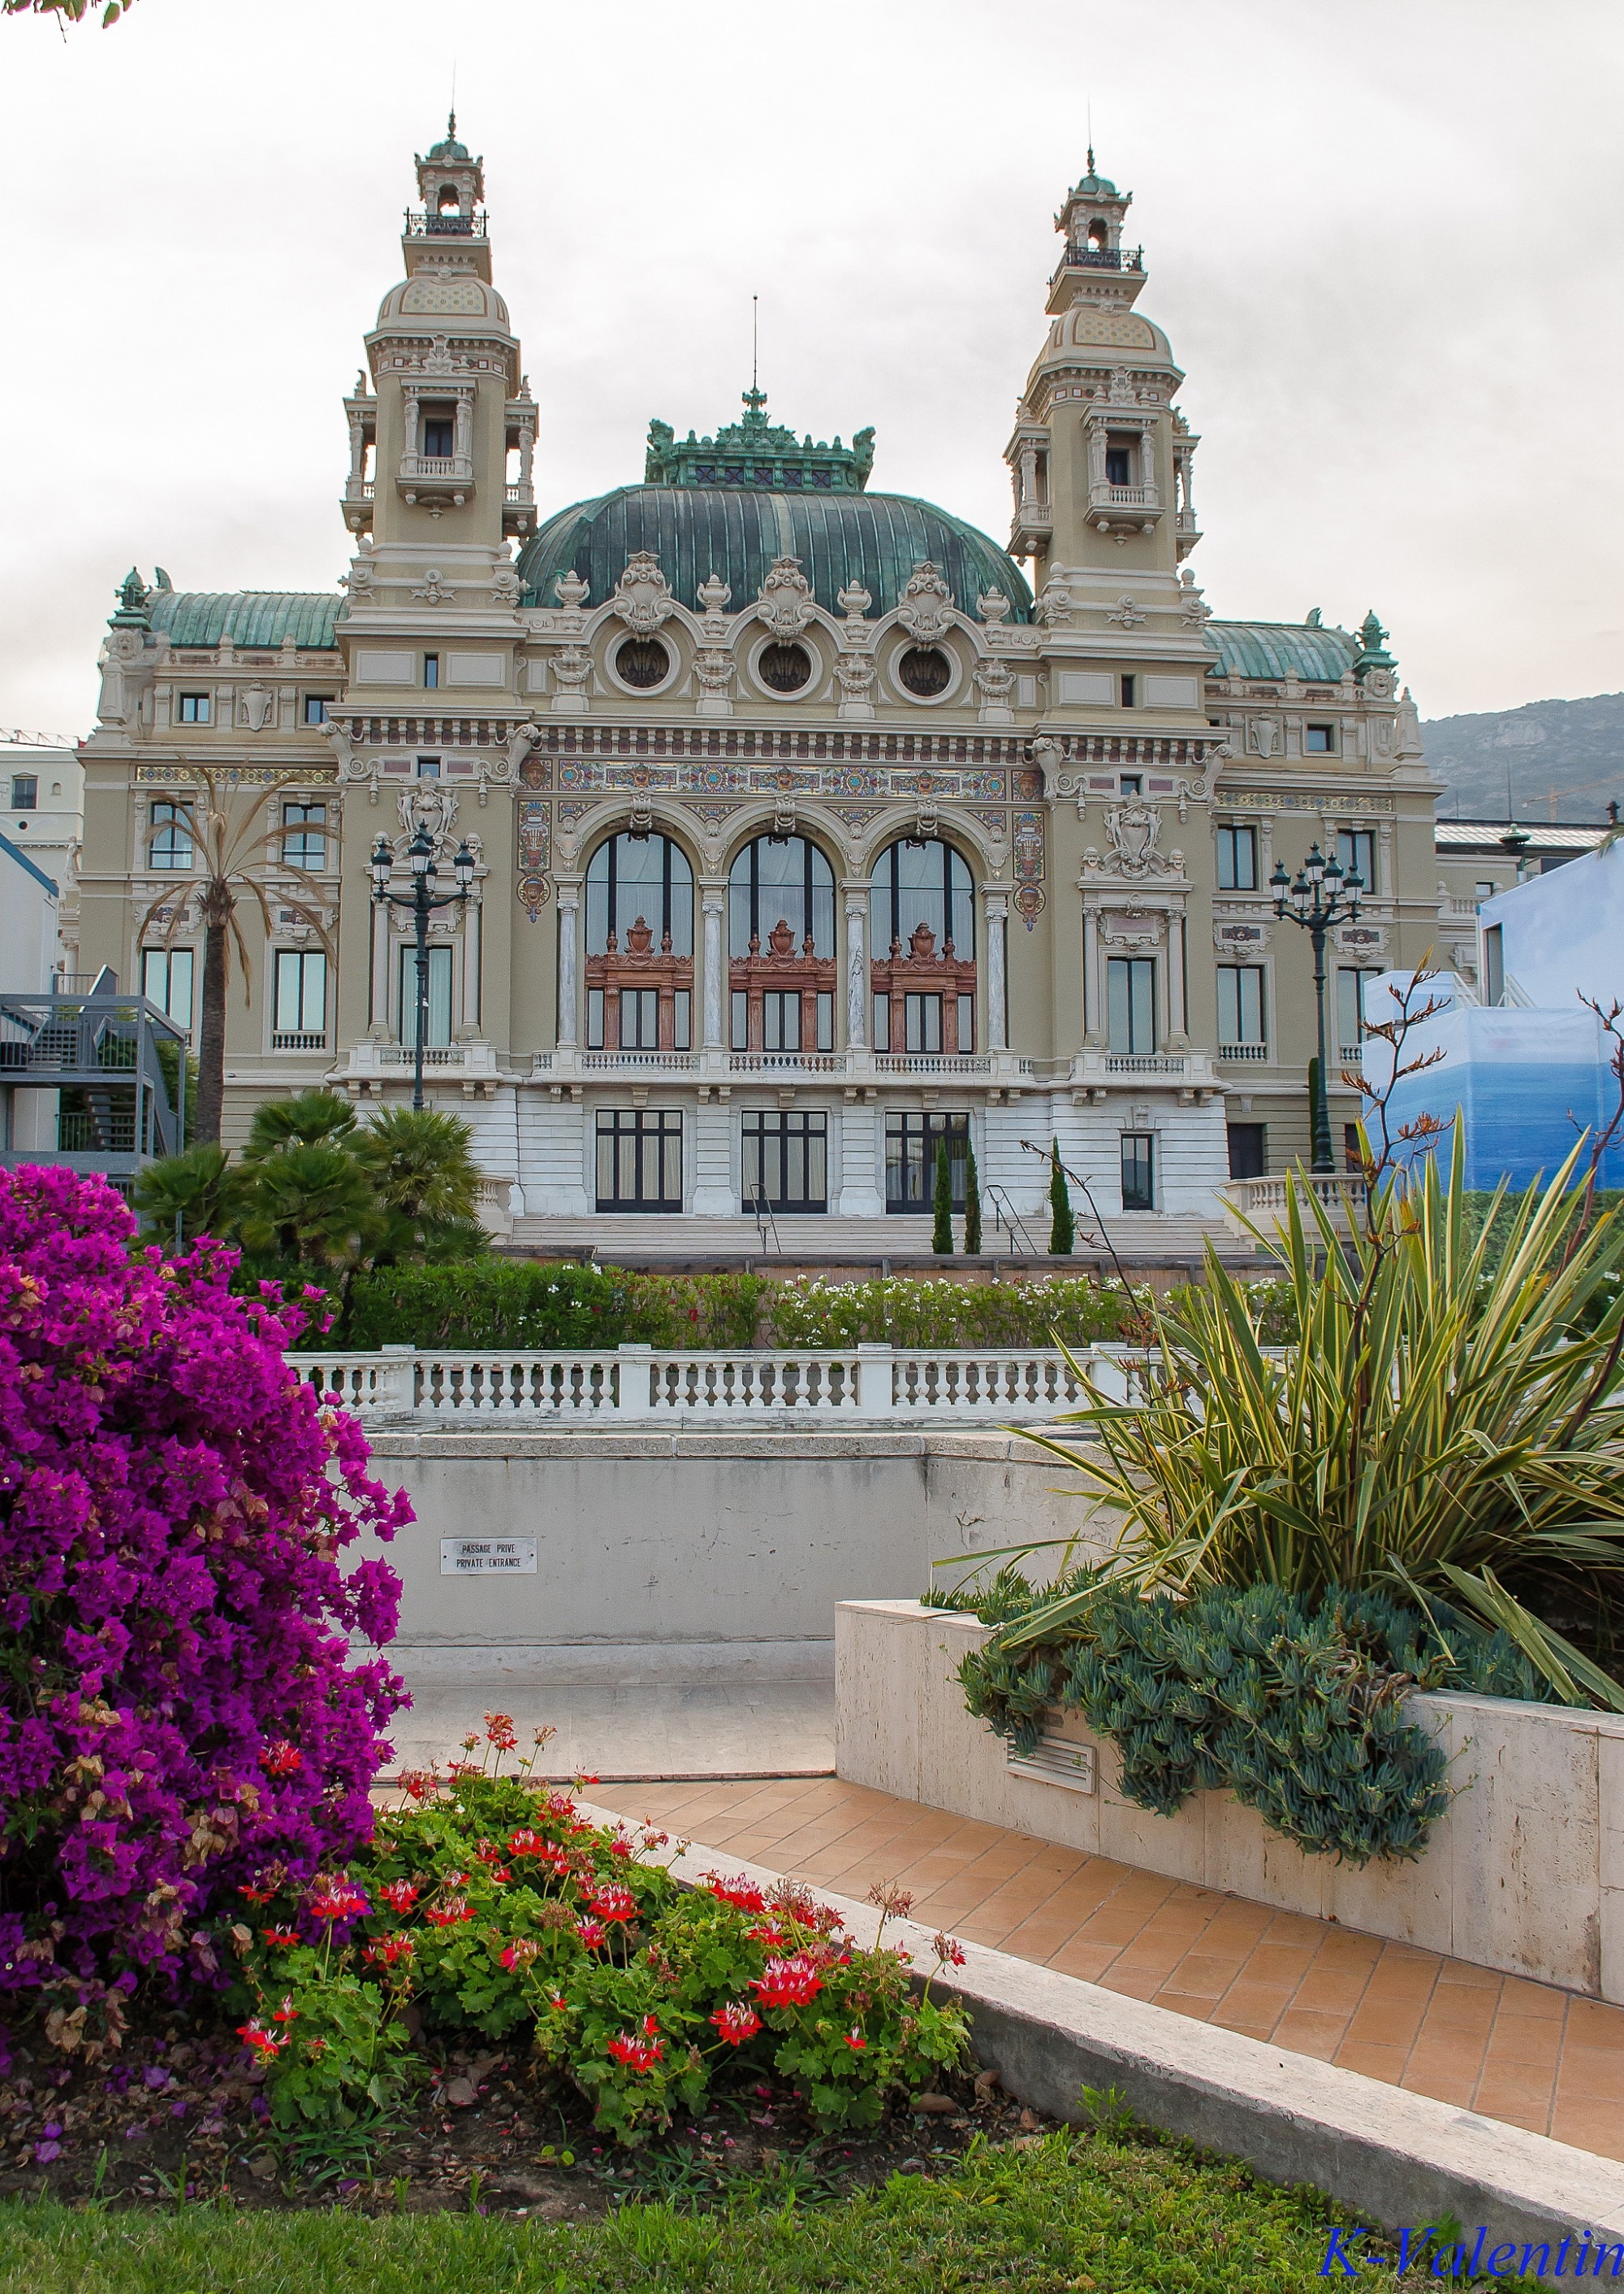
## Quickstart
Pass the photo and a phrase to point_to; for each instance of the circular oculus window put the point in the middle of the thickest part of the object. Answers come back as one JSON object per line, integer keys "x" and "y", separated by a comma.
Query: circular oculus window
{"x": 784, "y": 668}
{"x": 642, "y": 663}
{"x": 925, "y": 671}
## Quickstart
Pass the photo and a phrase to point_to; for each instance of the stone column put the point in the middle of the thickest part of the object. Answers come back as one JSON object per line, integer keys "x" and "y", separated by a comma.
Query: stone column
{"x": 379, "y": 1016}
{"x": 358, "y": 449}
{"x": 997, "y": 909}
{"x": 462, "y": 436}
{"x": 472, "y": 956}
{"x": 1177, "y": 1022}
{"x": 1093, "y": 1023}
{"x": 409, "y": 443}
{"x": 711, "y": 908}
{"x": 857, "y": 972}
{"x": 569, "y": 910}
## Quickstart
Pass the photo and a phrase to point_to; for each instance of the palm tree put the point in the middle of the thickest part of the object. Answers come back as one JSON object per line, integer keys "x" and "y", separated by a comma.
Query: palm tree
{"x": 313, "y": 1119}
{"x": 311, "y": 1202}
{"x": 181, "y": 1197}
{"x": 421, "y": 1165}
{"x": 227, "y": 865}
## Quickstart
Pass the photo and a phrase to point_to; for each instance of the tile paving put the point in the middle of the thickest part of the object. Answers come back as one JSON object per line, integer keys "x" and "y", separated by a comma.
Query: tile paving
{"x": 1525, "y": 2052}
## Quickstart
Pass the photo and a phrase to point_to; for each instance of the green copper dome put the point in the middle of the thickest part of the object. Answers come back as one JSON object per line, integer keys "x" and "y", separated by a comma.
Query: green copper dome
{"x": 841, "y": 539}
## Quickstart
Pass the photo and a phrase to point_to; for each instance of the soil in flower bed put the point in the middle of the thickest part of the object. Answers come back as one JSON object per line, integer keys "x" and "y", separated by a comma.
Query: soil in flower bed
{"x": 179, "y": 2111}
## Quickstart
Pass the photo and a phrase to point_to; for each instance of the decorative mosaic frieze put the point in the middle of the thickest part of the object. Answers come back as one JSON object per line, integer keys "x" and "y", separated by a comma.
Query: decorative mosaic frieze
{"x": 238, "y": 776}
{"x": 535, "y": 852}
{"x": 612, "y": 776}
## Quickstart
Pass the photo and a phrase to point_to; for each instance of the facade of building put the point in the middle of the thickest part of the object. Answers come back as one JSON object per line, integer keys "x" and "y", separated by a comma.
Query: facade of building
{"x": 1478, "y": 859}
{"x": 42, "y": 789}
{"x": 810, "y": 827}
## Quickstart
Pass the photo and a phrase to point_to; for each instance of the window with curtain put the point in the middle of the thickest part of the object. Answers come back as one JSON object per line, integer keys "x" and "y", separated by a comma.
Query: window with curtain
{"x": 438, "y": 1032}
{"x": 631, "y": 876}
{"x": 1130, "y": 998}
{"x": 1240, "y": 1004}
{"x": 172, "y": 845}
{"x": 1353, "y": 985}
{"x": 165, "y": 980}
{"x": 920, "y": 881}
{"x": 301, "y": 995}
{"x": 780, "y": 880}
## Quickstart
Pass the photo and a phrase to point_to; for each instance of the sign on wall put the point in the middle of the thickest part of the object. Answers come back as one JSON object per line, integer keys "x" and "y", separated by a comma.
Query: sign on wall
{"x": 475, "y": 1557}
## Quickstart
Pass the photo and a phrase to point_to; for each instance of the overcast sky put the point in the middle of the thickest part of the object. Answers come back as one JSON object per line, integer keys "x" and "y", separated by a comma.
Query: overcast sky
{"x": 1384, "y": 239}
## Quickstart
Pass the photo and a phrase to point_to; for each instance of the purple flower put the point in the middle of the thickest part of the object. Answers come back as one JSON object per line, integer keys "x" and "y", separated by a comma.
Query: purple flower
{"x": 175, "y": 1541}
{"x": 43, "y": 2153}
{"x": 155, "y": 2077}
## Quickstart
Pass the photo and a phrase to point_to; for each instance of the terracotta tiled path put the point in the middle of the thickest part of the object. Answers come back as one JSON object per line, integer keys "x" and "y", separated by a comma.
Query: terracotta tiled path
{"x": 1522, "y": 2051}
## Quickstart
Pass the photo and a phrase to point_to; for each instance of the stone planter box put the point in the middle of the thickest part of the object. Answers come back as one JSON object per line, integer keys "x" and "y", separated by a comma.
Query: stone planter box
{"x": 1525, "y": 1873}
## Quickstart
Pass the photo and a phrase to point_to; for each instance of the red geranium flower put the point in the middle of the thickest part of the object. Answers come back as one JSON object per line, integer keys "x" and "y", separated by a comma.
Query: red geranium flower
{"x": 280, "y": 1939}
{"x": 338, "y": 1900}
{"x": 257, "y": 1895}
{"x": 500, "y": 1731}
{"x": 741, "y": 1894}
{"x": 855, "y": 2040}
{"x": 736, "y": 2022}
{"x": 642, "y": 2055}
{"x": 448, "y": 1914}
{"x": 286, "y": 2013}
{"x": 949, "y": 1951}
{"x": 254, "y": 2034}
{"x": 387, "y": 1949}
{"x": 520, "y": 1952}
{"x": 400, "y": 1895}
{"x": 282, "y": 1758}
{"x": 614, "y": 1903}
{"x": 789, "y": 1982}
{"x": 591, "y": 1935}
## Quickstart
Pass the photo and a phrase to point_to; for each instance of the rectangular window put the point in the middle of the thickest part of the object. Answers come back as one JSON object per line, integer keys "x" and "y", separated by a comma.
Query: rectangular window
{"x": 911, "y": 1146}
{"x": 1351, "y": 986}
{"x": 197, "y": 708}
{"x": 316, "y": 707}
{"x": 923, "y": 1022}
{"x": 1119, "y": 463}
{"x": 682, "y": 1018}
{"x": 1236, "y": 859}
{"x": 437, "y": 434}
{"x": 1248, "y": 1151}
{"x": 299, "y": 1020}
{"x": 171, "y": 846}
{"x": 165, "y": 980}
{"x": 639, "y": 1019}
{"x": 1494, "y": 964}
{"x": 1241, "y": 1005}
{"x": 781, "y": 1020}
{"x": 305, "y": 834}
{"x": 1485, "y": 890}
{"x": 967, "y": 1023}
{"x": 1129, "y": 686}
{"x": 785, "y": 1163}
{"x": 1130, "y": 996}
{"x": 741, "y": 1020}
{"x": 1356, "y": 848}
{"x": 595, "y": 1019}
{"x": 882, "y": 1023}
{"x": 25, "y": 792}
{"x": 428, "y": 769}
{"x": 639, "y": 1159}
{"x": 431, "y": 669}
{"x": 437, "y": 1035}
{"x": 1130, "y": 784}
{"x": 1139, "y": 1170}
{"x": 1319, "y": 740}
{"x": 825, "y": 1019}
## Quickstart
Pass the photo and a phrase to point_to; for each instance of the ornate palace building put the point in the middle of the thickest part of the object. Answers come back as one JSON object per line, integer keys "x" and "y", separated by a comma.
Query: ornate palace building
{"x": 810, "y": 826}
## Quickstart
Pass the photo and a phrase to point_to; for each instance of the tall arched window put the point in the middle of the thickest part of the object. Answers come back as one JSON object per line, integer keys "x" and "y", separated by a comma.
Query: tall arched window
{"x": 781, "y": 880}
{"x": 639, "y": 879}
{"x": 639, "y": 945}
{"x": 923, "y": 919}
{"x": 781, "y": 948}
{"x": 922, "y": 881}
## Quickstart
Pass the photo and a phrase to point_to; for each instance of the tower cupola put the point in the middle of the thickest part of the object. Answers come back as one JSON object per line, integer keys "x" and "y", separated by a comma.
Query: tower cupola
{"x": 451, "y": 186}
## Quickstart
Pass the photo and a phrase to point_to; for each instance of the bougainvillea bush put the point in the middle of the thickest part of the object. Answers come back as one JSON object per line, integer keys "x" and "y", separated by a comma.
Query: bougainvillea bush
{"x": 178, "y": 1706}
{"x": 484, "y": 1905}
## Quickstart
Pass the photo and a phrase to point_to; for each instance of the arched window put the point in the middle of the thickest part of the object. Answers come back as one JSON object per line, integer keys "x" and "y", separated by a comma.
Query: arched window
{"x": 641, "y": 880}
{"x": 781, "y": 880}
{"x": 172, "y": 845}
{"x": 639, "y": 947}
{"x": 922, "y": 919}
{"x": 921, "y": 881}
{"x": 781, "y": 950}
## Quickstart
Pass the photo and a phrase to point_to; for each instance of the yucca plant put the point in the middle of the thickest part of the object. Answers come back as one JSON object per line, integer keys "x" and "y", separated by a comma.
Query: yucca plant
{"x": 1447, "y": 1425}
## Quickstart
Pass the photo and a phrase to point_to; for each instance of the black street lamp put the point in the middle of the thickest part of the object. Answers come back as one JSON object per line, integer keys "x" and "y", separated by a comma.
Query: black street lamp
{"x": 422, "y": 902}
{"x": 1319, "y": 897}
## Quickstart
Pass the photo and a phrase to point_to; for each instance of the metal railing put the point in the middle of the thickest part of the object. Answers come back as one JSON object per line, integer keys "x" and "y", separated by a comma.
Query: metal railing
{"x": 1008, "y": 1219}
{"x": 765, "y": 1223}
{"x": 1102, "y": 259}
{"x": 1259, "y": 1053}
{"x": 424, "y": 222}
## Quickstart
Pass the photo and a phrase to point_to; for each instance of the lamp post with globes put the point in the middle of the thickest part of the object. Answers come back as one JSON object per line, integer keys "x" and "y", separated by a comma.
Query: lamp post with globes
{"x": 1319, "y": 898}
{"x": 422, "y": 902}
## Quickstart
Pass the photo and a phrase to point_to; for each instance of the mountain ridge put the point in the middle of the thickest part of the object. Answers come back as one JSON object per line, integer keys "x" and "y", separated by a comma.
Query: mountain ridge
{"x": 1564, "y": 759}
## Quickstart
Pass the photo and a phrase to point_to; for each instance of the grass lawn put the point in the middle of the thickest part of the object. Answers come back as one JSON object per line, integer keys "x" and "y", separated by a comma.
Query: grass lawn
{"x": 1061, "y": 2212}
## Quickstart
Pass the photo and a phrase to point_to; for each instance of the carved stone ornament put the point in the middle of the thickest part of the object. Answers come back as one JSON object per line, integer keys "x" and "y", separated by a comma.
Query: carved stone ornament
{"x": 1263, "y": 737}
{"x": 436, "y": 590}
{"x": 429, "y": 804}
{"x": 1135, "y": 831}
{"x": 254, "y": 707}
{"x": 1193, "y": 606}
{"x": 713, "y": 595}
{"x": 1055, "y": 610}
{"x": 994, "y": 682}
{"x": 358, "y": 580}
{"x": 713, "y": 668}
{"x": 643, "y": 595}
{"x": 640, "y": 820}
{"x": 992, "y": 607}
{"x": 853, "y": 600}
{"x": 571, "y": 669}
{"x": 1378, "y": 684}
{"x": 505, "y": 588}
{"x": 925, "y": 606}
{"x": 570, "y": 591}
{"x": 1127, "y": 613}
{"x": 786, "y": 602}
{"x": 925, "y": 820}
{"x": 1121, "y": 391}
{"x": 783, "y": 817}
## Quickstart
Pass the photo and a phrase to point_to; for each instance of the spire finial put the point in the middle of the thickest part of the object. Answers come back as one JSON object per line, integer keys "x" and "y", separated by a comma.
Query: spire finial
{"x": 1088, "y": 107}
{"x": 755, "y": 342}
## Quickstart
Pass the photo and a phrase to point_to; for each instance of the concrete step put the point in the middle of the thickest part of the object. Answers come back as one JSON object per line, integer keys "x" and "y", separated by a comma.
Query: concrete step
{"x": 629, "y": 1239}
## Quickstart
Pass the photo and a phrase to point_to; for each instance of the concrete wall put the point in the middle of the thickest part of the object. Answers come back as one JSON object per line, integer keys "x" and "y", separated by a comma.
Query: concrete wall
{"x": 656, "y": 1552}
{"x": 1525, "y": 1873}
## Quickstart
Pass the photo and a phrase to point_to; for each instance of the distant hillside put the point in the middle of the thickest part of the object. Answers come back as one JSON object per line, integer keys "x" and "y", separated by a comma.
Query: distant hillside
{"x": 1574, "y": 748}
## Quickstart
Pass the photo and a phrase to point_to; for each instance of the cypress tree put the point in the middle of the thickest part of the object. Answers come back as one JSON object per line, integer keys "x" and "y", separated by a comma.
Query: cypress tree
{"x": 1062, "y": 1226}
{"x": 941, "y": 1232}
{"x": 972, "y": 1203}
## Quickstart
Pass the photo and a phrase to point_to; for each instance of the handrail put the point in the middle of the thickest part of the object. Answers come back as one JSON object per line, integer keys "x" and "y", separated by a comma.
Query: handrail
{"x": 1006, "y": 1215}
{"x": 765, "y": 1221}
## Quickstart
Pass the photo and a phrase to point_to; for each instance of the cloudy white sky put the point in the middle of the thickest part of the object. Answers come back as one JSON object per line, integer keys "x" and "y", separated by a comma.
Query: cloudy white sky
{"x": 1384, "y": 240}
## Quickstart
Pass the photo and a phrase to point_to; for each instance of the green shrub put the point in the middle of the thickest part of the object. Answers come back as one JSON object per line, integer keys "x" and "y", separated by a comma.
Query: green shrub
{"x": 490, "y": 1304}
{"x": 811, "y": 1310}
{"x": 1295, "y": 1706}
